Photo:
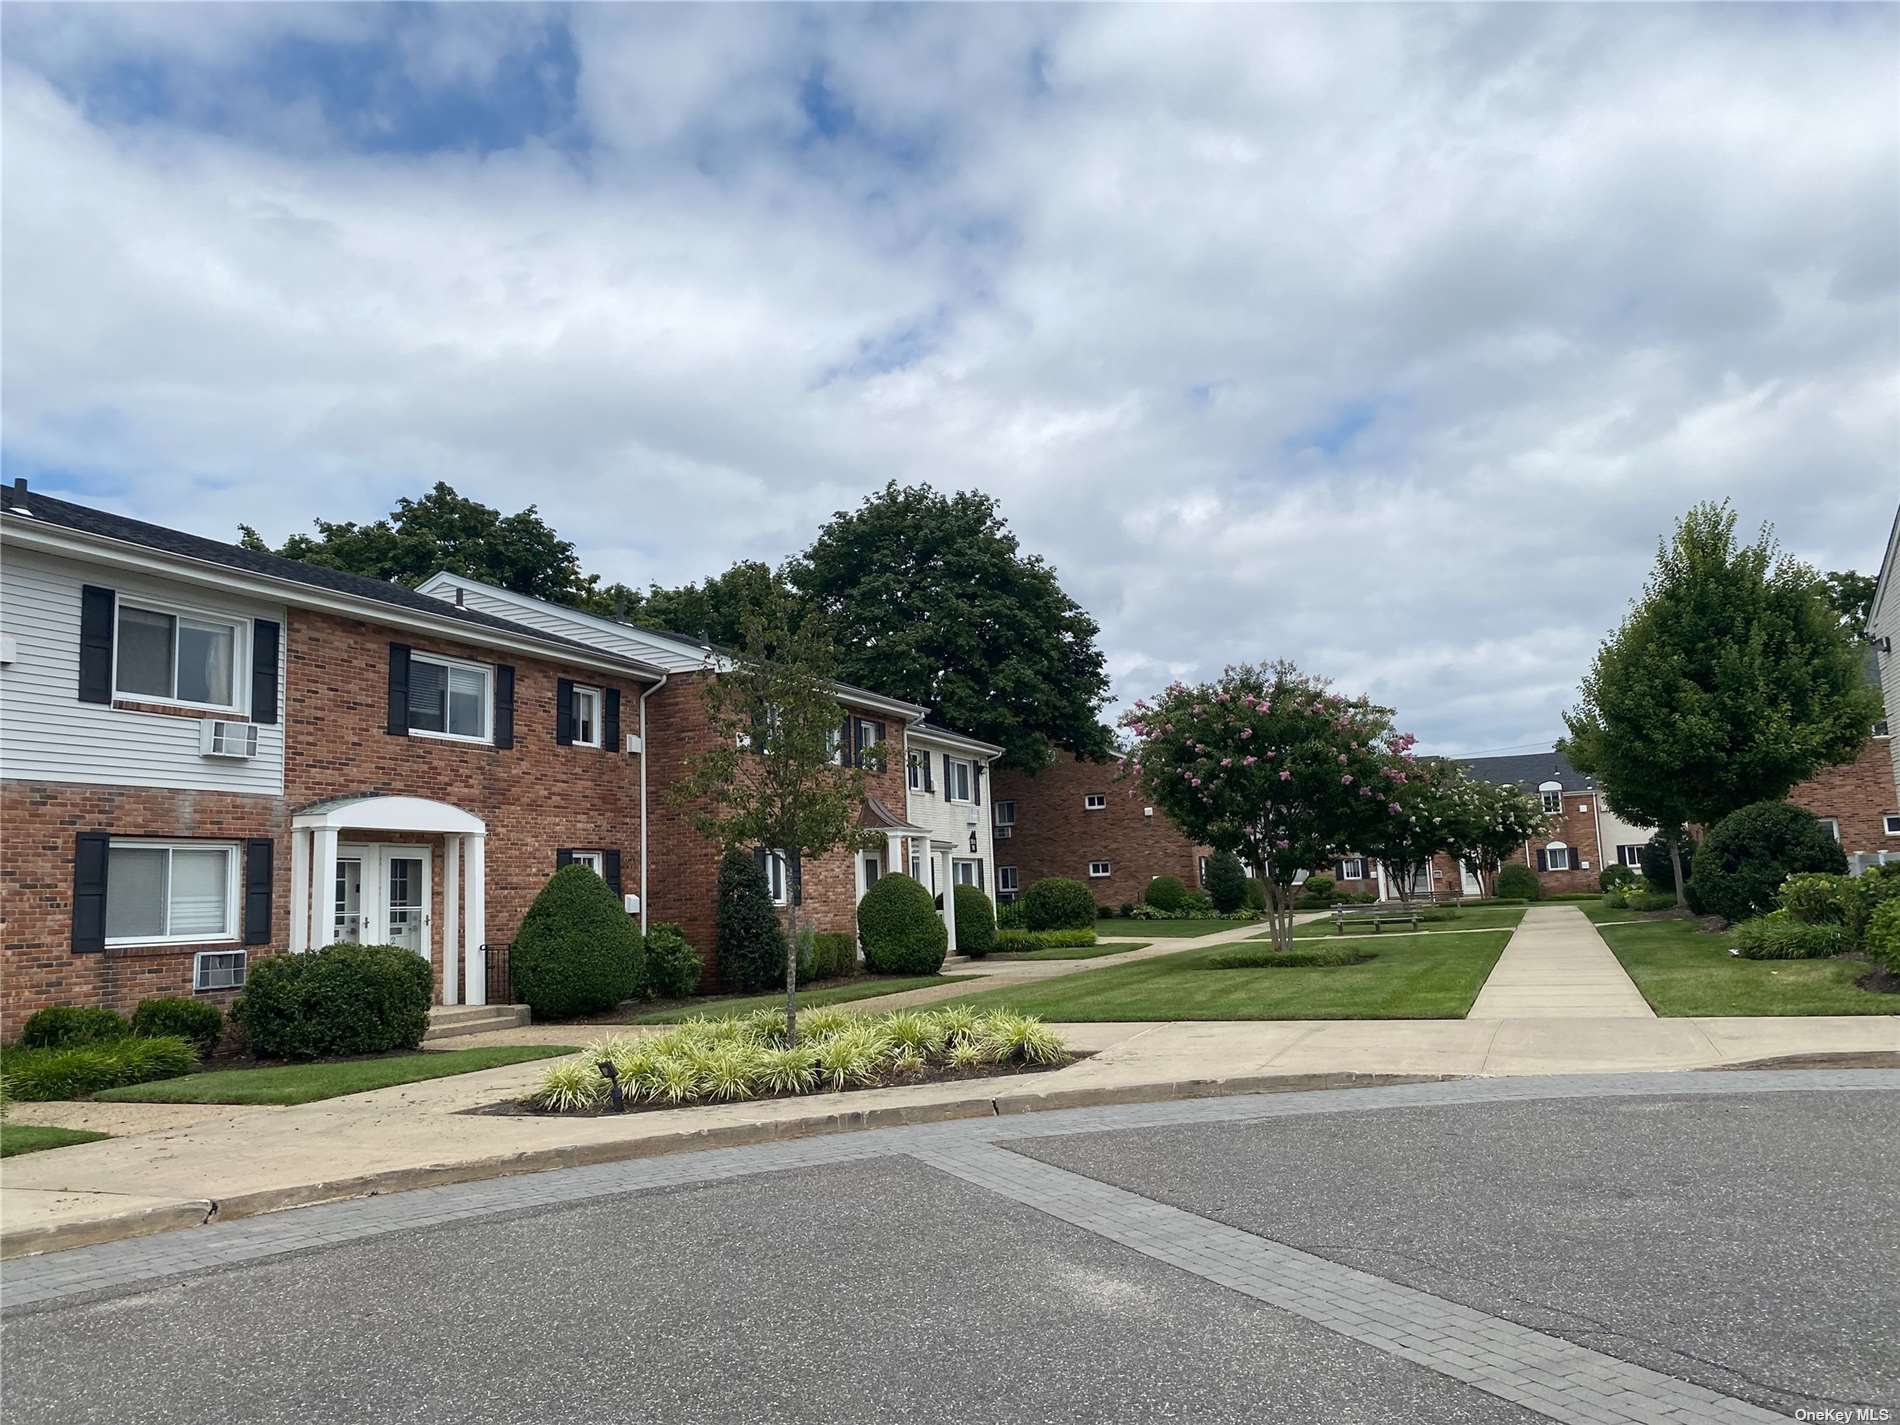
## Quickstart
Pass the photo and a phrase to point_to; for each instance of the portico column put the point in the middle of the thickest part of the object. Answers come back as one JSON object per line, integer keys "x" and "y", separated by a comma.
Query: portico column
{"x": 950, "y": 901}
{"x": 894, "y": 855}
{"x": 323, "y": 891}
{"x": 474, "y": 928}
{"x": 300, "y": 898}
{"x": 451, "y": 919}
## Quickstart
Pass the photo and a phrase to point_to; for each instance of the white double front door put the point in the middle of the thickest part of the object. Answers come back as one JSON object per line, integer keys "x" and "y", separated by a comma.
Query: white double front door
{"x": 382, "y": 896}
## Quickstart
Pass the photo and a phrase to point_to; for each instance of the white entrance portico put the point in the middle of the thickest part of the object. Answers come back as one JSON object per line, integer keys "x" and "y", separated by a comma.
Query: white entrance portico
{"x": 349, "y": 880}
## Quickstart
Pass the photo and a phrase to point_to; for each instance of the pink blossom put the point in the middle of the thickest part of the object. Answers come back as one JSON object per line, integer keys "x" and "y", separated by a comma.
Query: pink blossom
{"x": 1365, "y": 791}
{"x": 1346, "y": 780}
{"x": 1283, "y": 844}
{"x": 1245, "y": 733}
{"x": 1248, "y": 761}
{"x": 1196, "y": 782}
{"x": 1392, "y": 807}
{"x": 1285, "y": 775}
{"x": 1227, "y": 761}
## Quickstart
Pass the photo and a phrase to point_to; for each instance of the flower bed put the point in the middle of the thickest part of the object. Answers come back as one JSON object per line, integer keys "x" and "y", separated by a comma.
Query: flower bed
{"x": 746, "y": 1057}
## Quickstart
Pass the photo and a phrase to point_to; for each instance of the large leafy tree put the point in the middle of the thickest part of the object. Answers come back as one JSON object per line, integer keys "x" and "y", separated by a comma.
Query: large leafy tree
{"x": 712, "y": 609}
{"x": 1268, "y": 763}
{"x": 1731, "y": 680}
{"x": 443, "y": 530}
{"x": 765, "y": 773}
{"x": 1851, "y": 596}
{"x": 930, "y": 598}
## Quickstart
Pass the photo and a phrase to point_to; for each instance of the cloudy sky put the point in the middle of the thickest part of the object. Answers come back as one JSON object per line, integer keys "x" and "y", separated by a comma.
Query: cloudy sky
{"x": 1387, "y": 340}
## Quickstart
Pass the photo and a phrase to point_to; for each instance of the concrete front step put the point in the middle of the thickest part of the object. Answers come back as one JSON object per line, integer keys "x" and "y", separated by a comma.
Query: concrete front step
{"x": 451, "y": 1021}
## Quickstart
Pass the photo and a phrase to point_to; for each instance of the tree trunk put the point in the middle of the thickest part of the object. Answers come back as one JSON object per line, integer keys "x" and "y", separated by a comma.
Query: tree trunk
{"x": 1675, "y": 864}
{"x": 791, "y": 971}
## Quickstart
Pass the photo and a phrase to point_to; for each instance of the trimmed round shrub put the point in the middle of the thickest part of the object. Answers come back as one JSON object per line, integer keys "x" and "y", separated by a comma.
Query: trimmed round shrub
{"x": 750, "y": 946}
{"x": 670, "y": 968}
{"x": 900, "y": 928}
{"x": 79, "y": 1070}
{"x": 175, "y": 1016}
{"x": 1226, "y": 882}
{"x": 578, "y": 951}
{"x": 976, "y": 923}
{"x": 1321, "y": 888}
{"x": 61, "y": 1025}
{"x": 337, "y": 1001}
{"x": 1167, "y": 893}
{"x": 1749, "y": 853}
{"x": 1256, "y": 898}
{"x": 1883, "y": 935}
{"x": 1058, "y": 903}
{"x": 1516, "y": 882}
{"x": 1659, "y": 870}
{"x": 1779, "y": 936}
{"x": 1616, "y": 878}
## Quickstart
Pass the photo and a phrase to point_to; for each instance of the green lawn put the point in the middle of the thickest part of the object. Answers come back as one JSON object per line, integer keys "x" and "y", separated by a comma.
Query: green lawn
{"x": 1168, "y": 929}
{"x": 864, "y": 987}
{"x": 1599, "y": 913}
{"x": 1684, "y": 970}
{"x": 18, "y": 1138}
{"x": 1414, "y": 977}
{"x": 307, "y": 1083}
{"x": 1489, "y": 917}
{"x": 1067, "y": 952}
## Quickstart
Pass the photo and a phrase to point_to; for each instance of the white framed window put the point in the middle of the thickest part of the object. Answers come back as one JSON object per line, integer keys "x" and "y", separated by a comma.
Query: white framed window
{"x": 1552, "y": 794}
{"x": 959, "y": 788}
{"x": 586, "y": 717}
{"x": 917, "y": 869}
{"x": 1353, "y": 868}
{"x": 218, "y": 970}
{"x": 1006, "y": 880}
{"x": 171, "y": 892}
{"x": 1891, "y": 824}
{"x": 1557, "y": 857}
{"x": 167, "y": 654}
{"x": 1094, "y": 801}
{"x": 595, "y": 861}
{"x": 964, "y": 873}
{"x": 1005, "y": 813}
{"x": 1099, "y": 869}
{"x": 1831, "y": 826}
{"x": 1629, "y": 855}
{"x": 914, "y": 771}
{"x": 450, "y": 698}
{"x": 778, "y": 877}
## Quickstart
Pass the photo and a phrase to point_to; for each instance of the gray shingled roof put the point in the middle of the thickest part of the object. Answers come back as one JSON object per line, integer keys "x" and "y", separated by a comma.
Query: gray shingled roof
{"x": 1528, "y": 770}
{"x": 85, "y": 520}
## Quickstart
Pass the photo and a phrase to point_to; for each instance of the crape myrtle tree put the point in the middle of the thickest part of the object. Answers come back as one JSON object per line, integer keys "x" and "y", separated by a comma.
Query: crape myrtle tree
{"x": 1485, "y": 822}
{"x": 767, "y": 773}
{"x": 1269, "y": 764}
{"x": 1732, "y": 680}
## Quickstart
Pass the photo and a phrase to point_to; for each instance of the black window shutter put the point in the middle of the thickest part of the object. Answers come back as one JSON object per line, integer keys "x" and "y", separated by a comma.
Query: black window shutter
{"x": 759, "y": 859}
{"x": 847, "y": 754}
{"x": 979, "y": 875}
{"x": 929, "y": 781}
{"x": 259, "y": 856}
{"x": 1339, "y": 870}
{"x": 96, "y": 612}
{"x": 610, "y": 720}
{"x": 1543, "y": 859}
{"x": 948, "y": 785}
{"x": 976, "y": 783}
{"x": 89, "y": 891}
{"x": 266, "y": 635}
{"x": 398, "y": 690}
{"x": 504, "y": 705}
{"x": 610, "y": 869}
{"x": 563, "y": 857}
{"x": 564, "y": 711}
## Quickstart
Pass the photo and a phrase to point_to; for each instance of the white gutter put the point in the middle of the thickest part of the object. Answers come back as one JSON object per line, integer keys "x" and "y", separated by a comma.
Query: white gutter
{"x": 643, "y": 796}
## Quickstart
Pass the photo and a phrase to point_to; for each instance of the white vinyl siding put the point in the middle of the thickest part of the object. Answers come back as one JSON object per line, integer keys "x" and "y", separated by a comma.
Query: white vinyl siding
{"x": 947, "y": 821}
{"x": 604, "y": 634}
{"x": 47, "y": 734}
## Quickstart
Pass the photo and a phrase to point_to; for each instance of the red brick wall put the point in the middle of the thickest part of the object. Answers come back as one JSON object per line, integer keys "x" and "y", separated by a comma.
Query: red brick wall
{"x": 1055, "y": 836}
{"x": 1576, "y": 827}
{"x": 1857, "y": 794}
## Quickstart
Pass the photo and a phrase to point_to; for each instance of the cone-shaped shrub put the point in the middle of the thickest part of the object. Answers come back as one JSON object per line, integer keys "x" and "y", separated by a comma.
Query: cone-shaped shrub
{"x": 1226, "y": 882}
{"x": 976, "y": 922}
{"x": 578, "y": 951}
{"x": 751, "y": 942}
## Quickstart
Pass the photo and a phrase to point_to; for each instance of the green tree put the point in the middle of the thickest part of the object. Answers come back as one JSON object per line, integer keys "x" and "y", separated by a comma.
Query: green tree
{"x": 1731, "y": 680}
{"x": 1405, "y": 843}
{"x": 1269, "y": 764}
{"x": 712, "y": 609}
{"x": 1226, "y": 882}
{"x": 765, "y": 773}
{"x": 1851, "y": 596}
{"x": 1486, "y": 821}
{"x": 931, "y": 599}
{"x": 443, "y": 530}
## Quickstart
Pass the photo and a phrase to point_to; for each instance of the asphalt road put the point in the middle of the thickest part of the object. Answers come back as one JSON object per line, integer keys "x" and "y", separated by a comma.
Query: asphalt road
{"x": 1749, "y": 1243}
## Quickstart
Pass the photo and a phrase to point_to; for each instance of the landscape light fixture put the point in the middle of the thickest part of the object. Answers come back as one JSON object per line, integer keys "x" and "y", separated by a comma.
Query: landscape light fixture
{"x": 612, "y": 1076}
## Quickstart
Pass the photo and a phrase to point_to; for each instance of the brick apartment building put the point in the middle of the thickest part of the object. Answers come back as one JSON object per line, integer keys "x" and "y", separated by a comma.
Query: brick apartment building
{"x": 209, "y": 754}
{"x": 1088, "y": 821}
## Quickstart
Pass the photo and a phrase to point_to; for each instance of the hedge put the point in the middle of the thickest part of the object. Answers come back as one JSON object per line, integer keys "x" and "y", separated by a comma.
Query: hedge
{"x": 1166, "y": 893}
{"x": 173, "y": 1016}
{"x": 670, "y": 968}
{"x": 1058, "y": 903}
{"x": 80, "y": 1070}
{"x": 750, "y": 943}
{"x": 976, "y": 922}
{"x": 1016, "y": 942}
{"x": 337, "y": 1001}
{"x": 578, "y": 952}
{"x": 1883, "y": 935}
{"x": 1748, "y": 854}
{"x": 60, "y": 1026}
{"x": 1516, "y": 881}
{"x": 900, "y": 928}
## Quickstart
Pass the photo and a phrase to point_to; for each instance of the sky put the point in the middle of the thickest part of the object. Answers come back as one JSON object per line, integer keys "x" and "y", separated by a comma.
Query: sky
{"x": 1388, "y": 340}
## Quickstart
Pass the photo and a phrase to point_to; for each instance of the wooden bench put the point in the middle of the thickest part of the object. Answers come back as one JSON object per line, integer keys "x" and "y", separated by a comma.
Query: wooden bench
{"x": 1378, "y": 916}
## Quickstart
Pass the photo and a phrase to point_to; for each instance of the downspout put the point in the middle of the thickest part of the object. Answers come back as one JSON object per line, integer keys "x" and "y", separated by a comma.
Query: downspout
{"x": 1596, "y": 810}
{"x": 643, "y": 796}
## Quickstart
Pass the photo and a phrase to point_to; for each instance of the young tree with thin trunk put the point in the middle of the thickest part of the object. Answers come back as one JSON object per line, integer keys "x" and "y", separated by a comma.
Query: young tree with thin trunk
{"x": 1485, "y": 822}
{"x": 1269, "y": 764}
{"x": 1405, "y": 843}
{"x": 1731, "y": 681}
{"x": 771, "y": 773}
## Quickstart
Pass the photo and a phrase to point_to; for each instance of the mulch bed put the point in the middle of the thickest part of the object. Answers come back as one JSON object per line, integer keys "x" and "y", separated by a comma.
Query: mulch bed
{"x": 514, "y": 1108}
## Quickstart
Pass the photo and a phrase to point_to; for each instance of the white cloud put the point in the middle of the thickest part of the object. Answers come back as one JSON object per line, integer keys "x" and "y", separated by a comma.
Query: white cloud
{"x": 1387, "y": 340}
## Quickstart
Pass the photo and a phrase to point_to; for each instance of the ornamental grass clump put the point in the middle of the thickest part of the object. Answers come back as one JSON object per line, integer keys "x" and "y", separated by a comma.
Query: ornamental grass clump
{"x": 745, "y": 1057}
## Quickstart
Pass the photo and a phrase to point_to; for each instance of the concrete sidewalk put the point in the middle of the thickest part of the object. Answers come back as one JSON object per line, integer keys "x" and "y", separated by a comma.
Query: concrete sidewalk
{"x": 232, "y": 1162}
{"x": 1556, "y": 966}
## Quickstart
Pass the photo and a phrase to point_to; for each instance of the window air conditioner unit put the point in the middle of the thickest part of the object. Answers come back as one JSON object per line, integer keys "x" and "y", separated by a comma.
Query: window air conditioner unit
{"x": 227, "y": 739}
{"x": 1003, "y": 831}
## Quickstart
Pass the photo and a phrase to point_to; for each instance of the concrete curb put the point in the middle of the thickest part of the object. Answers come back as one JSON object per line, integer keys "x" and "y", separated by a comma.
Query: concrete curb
{"x": 59, "y": 1237}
